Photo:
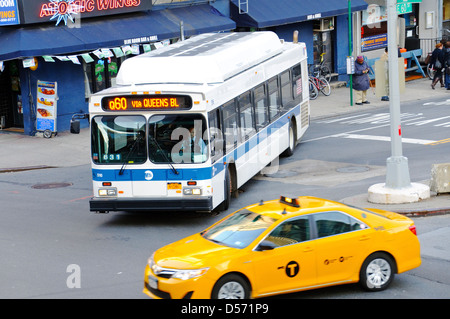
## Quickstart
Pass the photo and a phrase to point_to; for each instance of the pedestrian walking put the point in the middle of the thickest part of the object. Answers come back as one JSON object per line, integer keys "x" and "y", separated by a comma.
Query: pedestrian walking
{"x": 361, "y": 81}
{"x": 447, "y": 65}
{"x": 384, "y": 57}
{"x": 437, "y": 61}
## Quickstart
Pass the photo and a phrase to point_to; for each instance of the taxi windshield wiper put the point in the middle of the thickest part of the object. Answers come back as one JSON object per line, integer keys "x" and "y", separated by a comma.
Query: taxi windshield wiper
{"x": 125, "y": 162}
{"x": 163, "y": 154}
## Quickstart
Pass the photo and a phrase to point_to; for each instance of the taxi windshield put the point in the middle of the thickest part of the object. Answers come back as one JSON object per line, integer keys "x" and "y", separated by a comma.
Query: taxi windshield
{"x": 239, "y": 230}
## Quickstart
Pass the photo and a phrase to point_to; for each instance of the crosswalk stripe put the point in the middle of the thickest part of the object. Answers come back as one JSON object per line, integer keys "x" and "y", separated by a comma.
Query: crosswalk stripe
{"x": 384, "y": 138}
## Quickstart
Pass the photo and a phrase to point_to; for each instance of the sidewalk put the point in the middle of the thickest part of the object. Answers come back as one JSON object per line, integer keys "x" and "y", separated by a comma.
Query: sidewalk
{"x": 22, "y": 152}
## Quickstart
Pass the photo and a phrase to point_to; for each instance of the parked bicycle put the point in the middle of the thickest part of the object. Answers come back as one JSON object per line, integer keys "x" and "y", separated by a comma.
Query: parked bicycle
{"x": 317, "y": 84}
{"x": 321, "y": 69}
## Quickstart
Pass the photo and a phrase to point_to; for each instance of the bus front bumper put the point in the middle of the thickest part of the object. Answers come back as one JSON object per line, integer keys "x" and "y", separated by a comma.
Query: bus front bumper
{"x": 118, "y": 204}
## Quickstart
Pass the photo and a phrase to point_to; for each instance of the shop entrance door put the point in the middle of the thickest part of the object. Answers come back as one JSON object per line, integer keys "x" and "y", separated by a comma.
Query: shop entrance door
{"x": 11, "y": 110}
{"x": 323, "y": 46}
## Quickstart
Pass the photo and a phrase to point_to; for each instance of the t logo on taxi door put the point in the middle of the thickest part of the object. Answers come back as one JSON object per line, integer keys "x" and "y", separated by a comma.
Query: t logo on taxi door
{"x": 292, "y": 269}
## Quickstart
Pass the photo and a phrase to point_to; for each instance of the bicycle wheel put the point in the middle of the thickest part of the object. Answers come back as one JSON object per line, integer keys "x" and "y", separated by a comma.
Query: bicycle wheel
{"x": 313, "y": 91}
{"x": 324, "y": 86}
{"x": 325, "y": 72}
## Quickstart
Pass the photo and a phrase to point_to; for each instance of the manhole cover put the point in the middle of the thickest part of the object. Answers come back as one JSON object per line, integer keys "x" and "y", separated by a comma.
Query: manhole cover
{"x": 353, "y": 169}
{"x": 51, "y": 185}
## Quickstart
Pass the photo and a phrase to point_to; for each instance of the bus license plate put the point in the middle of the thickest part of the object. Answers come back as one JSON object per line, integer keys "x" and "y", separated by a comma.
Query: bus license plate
{"x": 173, "y": 185}
{"x": 153, "y": 282}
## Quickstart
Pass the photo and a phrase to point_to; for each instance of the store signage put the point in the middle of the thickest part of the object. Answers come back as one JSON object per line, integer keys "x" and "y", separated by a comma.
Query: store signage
{"x": 9, "y": 12}
{"x": 61, "y": 11}
{"x": 374, "y": 42}
{"x": 146, "y": 102}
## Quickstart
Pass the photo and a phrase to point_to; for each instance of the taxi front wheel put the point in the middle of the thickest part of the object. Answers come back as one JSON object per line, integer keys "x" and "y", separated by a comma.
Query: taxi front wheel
{"x": 377, "y": 272}
{"x": 231, "y": 287}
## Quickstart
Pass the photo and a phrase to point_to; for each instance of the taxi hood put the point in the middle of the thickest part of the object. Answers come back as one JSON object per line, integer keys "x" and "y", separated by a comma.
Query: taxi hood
{"x": 191, "y": 253}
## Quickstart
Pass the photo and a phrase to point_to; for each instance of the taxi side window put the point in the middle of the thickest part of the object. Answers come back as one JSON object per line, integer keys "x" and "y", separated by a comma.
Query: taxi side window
{"x": 333, "y": 223}
{"x": 290, "y": 232}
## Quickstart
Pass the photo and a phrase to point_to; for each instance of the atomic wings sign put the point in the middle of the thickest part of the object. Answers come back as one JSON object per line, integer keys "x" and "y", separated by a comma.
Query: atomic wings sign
{"x": 64, "y": 10}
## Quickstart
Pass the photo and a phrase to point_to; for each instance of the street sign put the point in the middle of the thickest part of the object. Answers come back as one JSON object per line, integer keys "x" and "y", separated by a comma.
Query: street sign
{"x": 409, "y": 1}
{"x": 403, "y": 8}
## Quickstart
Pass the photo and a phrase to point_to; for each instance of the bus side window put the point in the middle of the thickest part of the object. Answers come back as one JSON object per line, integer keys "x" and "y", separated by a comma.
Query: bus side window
{"x": 262, "y": 118}
{"x": 246, "y": 116}
{"x": 297, "y": 83}
{"x": 286, "y": 90}
{"x": 274, "y": 98}
{"x": 216, "y": 141}
{"x": 230, "y": 124}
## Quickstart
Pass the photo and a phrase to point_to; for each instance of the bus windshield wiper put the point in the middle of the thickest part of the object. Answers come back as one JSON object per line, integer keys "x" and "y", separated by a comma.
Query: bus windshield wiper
{"x": 164, "y": 154}
{"x": 125, "y": 162}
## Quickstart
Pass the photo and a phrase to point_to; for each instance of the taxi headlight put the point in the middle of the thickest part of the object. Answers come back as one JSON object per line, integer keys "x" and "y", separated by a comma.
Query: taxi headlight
{"x": 189, "y": 273}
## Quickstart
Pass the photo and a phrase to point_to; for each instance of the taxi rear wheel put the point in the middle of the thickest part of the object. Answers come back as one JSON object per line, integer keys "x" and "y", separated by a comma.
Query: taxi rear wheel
{"x": 231, "y": 287}
{"x": 377, "y": 272}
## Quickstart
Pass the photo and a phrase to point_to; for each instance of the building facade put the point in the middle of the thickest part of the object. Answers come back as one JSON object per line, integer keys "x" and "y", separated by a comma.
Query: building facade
{"x": 56, "y": 53}
{"x": 75, "y": 47}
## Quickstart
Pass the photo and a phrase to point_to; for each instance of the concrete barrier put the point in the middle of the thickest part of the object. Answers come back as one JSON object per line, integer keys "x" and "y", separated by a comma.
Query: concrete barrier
{"x": 440, "y": 178}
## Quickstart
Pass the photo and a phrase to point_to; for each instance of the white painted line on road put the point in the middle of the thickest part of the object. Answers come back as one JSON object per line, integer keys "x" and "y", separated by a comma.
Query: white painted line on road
{"x": 446, "y": 102}
{"x": 383, "y": 138}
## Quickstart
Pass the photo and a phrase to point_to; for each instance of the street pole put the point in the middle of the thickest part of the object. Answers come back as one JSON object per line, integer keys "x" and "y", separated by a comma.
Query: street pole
{"x": 398, "y": 187}
{"x": 397, "y": 171}
{"x": 350, "y": 47}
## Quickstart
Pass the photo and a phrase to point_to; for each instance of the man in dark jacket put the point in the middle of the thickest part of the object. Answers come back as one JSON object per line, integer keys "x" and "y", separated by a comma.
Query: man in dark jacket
{"x": 361, "y": 81}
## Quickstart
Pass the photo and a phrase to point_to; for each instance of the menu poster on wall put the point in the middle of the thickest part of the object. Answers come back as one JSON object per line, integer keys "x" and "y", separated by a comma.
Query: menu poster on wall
{"x": 46, "y": 106}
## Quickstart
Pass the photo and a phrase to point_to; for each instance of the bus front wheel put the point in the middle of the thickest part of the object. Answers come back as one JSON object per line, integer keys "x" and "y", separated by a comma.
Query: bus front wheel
{"x": 292, "y": 140}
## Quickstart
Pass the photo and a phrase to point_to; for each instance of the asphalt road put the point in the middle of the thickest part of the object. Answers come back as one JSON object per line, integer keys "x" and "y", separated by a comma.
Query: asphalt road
{"x": 48, "y": 235}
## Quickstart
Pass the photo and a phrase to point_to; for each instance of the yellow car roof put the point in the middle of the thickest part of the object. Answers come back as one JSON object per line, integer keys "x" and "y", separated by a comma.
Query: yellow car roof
{"x": 288, "y": 207}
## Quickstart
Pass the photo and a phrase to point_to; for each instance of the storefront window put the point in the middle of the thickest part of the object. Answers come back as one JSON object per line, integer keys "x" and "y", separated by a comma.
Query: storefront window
{"x": 374, "y": 28}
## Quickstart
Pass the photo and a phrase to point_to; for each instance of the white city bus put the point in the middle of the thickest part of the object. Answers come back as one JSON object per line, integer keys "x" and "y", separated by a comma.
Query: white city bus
{"x": 244, "y": 96}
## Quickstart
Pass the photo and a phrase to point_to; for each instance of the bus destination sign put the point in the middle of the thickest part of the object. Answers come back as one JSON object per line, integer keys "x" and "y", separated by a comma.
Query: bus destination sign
{"x": 146, "y": 102}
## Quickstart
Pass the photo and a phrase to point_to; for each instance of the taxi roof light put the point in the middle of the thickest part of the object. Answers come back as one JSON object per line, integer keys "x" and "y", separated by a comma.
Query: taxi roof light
{"x": 290, "y": 201}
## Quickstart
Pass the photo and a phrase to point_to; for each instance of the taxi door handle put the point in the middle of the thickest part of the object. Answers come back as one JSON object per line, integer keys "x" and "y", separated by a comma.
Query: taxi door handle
{"x": 364, "y": 237}
{"x": 308, "y": 249}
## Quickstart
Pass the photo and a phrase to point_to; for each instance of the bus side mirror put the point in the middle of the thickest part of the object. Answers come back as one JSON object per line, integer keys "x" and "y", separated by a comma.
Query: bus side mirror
{"x": 75, "y": 122}
{"x": 75, "y": 126}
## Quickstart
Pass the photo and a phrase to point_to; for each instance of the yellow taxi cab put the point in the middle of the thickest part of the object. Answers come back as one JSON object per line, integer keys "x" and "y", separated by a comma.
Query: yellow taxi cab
{"x": 283, "y": 246}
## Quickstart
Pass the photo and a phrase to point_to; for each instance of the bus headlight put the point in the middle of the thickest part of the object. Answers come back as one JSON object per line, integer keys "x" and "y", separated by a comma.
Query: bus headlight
{"x": 107, "y": 192}
{"x": 192, "y": 191}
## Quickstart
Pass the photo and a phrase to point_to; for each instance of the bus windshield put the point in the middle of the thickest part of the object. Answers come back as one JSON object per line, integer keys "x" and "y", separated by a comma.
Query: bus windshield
{"x": 177, "y": 138}
{"x": 118, "y": 139}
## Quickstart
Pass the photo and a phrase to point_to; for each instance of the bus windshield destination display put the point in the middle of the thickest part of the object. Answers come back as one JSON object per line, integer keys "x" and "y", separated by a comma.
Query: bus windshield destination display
{"x": 146, "y": 102}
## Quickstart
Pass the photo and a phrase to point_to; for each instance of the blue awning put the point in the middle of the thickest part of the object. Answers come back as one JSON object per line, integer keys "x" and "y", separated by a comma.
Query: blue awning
{"x": 48, "y": 39}
{"x": 268, "y": 13}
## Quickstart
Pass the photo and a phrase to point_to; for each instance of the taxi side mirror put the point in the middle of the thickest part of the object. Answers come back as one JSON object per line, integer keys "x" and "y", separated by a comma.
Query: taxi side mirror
{"x": 266, "y": 245}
